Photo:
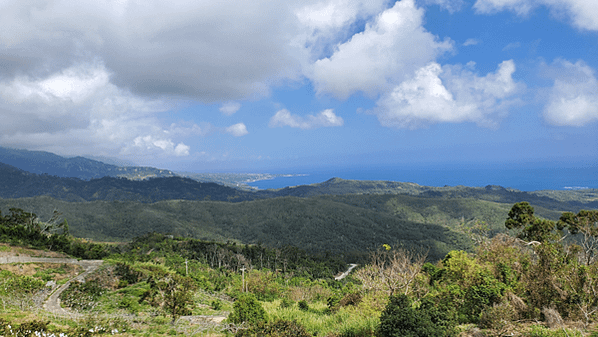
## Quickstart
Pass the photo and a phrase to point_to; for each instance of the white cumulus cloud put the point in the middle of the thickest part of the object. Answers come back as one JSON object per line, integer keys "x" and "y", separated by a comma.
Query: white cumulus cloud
{"x": 449, "y": 94}
{"x": 210, "y": 51}
{"x": 150, "y": 143}
{"x": 390, "y": 48}
{"x": 326, "y": 118}
{"x": 230, "y": 108}
{"x": 78, "y": 110}
{"x": 583, "y": 13}
{"x": 471, "y": 42}
{"x": 325, "y": 23}
{"x": 450, "y": 5}
{"x": 573, "y": 99}
{"x": 237, "y": 130}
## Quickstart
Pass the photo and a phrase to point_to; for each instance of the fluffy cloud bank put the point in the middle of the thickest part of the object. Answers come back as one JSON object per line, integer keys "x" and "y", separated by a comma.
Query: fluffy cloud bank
{"x": 449, "y": 94}
{"x": 583, "y": 13}
{"x": 394, "y": 58}
{"x": 209, "y": 51}
{"x": 389, "y": 50}
{"x": 573, "y": 99}
{"x": 79, "y": 110}
{"x": 91, "y": 77}
{"x": 326, "y": 118}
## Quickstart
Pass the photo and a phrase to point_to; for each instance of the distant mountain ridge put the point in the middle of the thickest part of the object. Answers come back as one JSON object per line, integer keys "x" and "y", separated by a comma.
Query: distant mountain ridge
{"x": 16, "y": 183}
{"x": 336, "y": 215}
{"x": 551, "y": 199}
{"x": 39, "y": 173}
{"x": 41, "y": 162}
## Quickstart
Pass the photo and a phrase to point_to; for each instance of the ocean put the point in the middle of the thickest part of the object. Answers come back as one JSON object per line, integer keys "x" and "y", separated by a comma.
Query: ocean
{"x": 530, "y": 178}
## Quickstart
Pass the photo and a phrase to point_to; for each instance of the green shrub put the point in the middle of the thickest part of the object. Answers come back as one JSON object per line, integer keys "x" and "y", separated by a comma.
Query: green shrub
{"x": 127, "y": 303}
{"x": 26, "y": 329}
{"x": 541, "y": 331}
{"x": 15, "y": 284}
{"x": 400, "y": 318}
{"x": 480, "y": 296}
{"x": 216, "y": 304}
{"x": 126, "y": 274}
{"x": 334, "y": 302}
{"x": 350, "y": 299}
{"x": 303, "y": 306}
{"x": 247, "y": 309}
{"x": 286, "y": 303}
{"x": 278, "y": 328}
{"x": 82, "y": 296}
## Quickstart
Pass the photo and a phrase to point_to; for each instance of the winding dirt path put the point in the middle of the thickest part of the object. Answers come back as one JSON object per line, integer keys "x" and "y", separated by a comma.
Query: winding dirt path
{"x": 52, "y": 303}
{"x": 345, "y": 274}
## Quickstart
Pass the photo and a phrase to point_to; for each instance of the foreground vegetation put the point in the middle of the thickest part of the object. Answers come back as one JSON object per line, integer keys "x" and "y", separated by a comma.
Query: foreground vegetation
{"x": 531, "y": 281}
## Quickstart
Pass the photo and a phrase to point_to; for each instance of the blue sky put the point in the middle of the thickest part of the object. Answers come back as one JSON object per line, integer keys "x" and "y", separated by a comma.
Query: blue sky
{"x": 289, "y": 86}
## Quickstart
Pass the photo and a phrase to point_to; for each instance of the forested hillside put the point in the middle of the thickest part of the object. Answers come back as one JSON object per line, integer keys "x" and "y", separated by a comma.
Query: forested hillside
{"x": 349, "y": 224}
{"x": 576, "y": 199}
{"x": 531, "y": 282}
{"x": 339, "y": 216}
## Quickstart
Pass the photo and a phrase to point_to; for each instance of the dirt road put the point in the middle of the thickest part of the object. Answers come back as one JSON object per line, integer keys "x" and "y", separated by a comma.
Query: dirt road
{"x": 345, "y": 274}
{"x": 52, "y": 304}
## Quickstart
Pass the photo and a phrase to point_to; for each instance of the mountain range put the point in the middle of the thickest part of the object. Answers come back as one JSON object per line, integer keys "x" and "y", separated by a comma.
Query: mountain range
{"x": 337, "y": 215}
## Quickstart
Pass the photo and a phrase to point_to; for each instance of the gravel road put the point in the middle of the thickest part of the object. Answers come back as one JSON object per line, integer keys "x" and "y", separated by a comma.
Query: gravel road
{"x": 52, "y": 304}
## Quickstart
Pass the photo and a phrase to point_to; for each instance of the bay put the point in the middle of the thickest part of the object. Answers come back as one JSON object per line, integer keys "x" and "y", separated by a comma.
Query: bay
{"x": 529, "y": 178}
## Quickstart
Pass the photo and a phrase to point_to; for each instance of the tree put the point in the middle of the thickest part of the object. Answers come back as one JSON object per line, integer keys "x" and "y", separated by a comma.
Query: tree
{"x": 532, "y": 229}
{"x": 391, "y": 270}
{"x": 247, "y": 309}
{"x": 176, "y": 294}
{"x": 586, "y": 223}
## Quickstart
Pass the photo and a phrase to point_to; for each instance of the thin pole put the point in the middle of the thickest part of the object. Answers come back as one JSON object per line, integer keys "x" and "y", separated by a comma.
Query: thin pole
{"x": 243, "y": 278}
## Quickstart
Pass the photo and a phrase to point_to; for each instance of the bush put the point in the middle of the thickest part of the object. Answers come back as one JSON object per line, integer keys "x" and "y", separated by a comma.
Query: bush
{"x": 399, "y": 318}
{"x": 334, "y": 302}
{"x": 541, "y": 331}
{"x": 350, "y": 299}
{"x": 30, "y": 328}
{"x": 286, "y": 303}
{"x": 82, "y": 296}
{"x": 216, "y": 304}
{"x": 498, "y": 318}
{"x": 247, "y": 309}
{"x": 279, "y": 328}
{"x": 303, "y": 306}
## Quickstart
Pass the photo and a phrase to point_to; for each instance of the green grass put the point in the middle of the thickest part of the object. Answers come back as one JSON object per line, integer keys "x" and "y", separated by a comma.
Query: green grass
{"x": 541, "y": 331}
{"x": 318, "y": 319}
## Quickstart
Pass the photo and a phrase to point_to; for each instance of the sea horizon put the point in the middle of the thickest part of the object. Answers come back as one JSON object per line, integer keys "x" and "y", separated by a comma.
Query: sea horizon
{"x": 530, "y": 178}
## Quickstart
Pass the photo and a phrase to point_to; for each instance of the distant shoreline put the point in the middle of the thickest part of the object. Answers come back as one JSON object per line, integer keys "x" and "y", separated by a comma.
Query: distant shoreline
{"x": 523, "y": 179}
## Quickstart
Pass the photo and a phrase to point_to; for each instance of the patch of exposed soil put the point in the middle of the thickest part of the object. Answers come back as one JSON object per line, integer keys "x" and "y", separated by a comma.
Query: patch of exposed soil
{"x": 8, "y": 250}
{"x": 59, "y": 270}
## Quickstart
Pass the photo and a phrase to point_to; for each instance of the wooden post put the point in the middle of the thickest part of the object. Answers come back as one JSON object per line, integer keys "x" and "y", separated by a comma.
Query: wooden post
{"x": 186, "y": 268}
{"x": 243, "y": 280}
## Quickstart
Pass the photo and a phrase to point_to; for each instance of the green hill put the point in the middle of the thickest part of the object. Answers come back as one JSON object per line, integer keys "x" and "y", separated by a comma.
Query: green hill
{"x": 41, "y": 162}
{"x": 340, "y": 224}
{"x": 556, "y": 200}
